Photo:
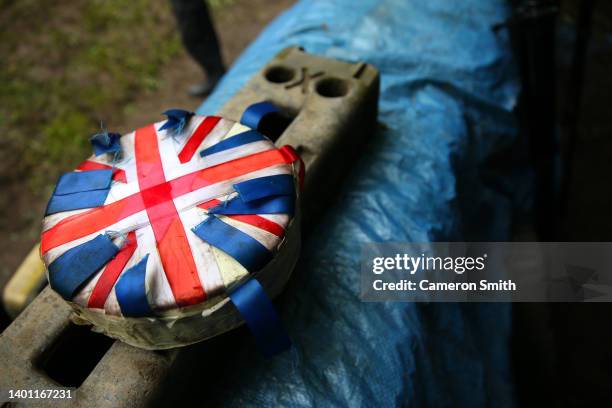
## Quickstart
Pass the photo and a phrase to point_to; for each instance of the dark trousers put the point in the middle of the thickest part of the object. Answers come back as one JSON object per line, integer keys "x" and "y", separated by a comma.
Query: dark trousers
{"x": 198, "y": 34}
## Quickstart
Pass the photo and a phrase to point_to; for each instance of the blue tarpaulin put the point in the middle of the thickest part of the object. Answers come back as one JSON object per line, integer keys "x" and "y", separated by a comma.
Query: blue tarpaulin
{"x": 448, "y": 89}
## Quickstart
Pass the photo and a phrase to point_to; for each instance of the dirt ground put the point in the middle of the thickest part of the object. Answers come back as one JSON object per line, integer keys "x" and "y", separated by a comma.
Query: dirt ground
{"x": 238, "y": 23}
{"x": 251, "y": 16}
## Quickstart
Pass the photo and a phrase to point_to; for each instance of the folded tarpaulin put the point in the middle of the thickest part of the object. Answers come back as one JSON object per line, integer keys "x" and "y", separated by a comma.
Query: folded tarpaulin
{"x": 448, "y": 88}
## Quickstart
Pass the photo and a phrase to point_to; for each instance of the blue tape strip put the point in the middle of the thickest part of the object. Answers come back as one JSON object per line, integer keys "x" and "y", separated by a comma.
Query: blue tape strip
{"x": 272, "y": 205}
{"x": 131, "y": 291}
{"x": 253, "y": 115}
{"x": 268, "y": 186}
{"x": 79, "y": 181}
{"x": 75, "y": 266}
{"x": 106, "y": 143}
{"x": 76, "y": 201}
{"x": 177, "y": 119}
{"x": 259, "y": 314}
{"x": 234, "y": 141}
{"x": 240, "y": 246}
{"x": 78, "y": 190}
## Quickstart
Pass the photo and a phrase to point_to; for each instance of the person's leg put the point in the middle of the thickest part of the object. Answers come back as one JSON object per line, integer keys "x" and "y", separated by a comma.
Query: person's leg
{"x": 200, "y": 40}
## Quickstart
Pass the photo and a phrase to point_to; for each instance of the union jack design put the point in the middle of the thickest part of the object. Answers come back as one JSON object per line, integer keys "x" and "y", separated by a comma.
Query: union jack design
{"x": 184, "y": 217}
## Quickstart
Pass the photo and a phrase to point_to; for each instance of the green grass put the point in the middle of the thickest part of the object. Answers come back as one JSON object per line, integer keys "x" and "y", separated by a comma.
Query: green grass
{"x": 64, "y": 66}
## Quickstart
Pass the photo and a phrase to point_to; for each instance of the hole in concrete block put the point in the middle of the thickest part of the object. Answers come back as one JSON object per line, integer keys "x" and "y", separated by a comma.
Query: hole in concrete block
{"x": 74, "y": 355}
{"x": 274, "y": 124}
{"x": 279, "y": 74}
{"x": 332, "y": 87}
